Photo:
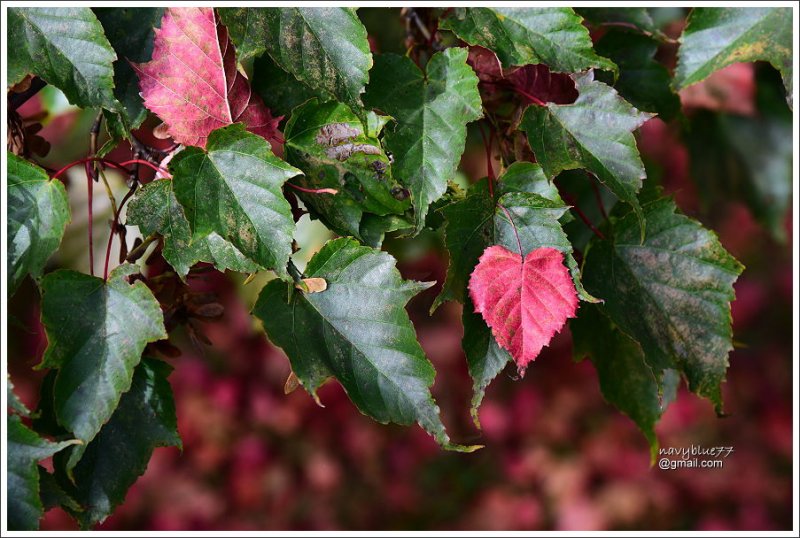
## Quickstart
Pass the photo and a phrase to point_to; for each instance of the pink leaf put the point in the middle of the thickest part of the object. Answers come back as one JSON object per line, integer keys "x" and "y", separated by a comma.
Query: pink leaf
{"x": 523, "y": 302}
{"x": 192, "y": 82}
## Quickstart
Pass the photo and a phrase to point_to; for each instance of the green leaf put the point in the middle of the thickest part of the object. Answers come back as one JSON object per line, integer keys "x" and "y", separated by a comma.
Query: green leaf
{"x": 280, "y": 91}
{"x": 358, "y": 332}
{"x": 626, "y": 380}
{"x": 642, "y": 81}
{"x": 595, "y": 133}
{"x": 746, "y": 158}
{"x": 38, "y": 213}
{"x": 130, "y": 33}
{"x": 325, "y": 48}
{"x": 671, "y": 293}
{"x": 520, "y": 36}
{"x": 96, "y": 331}
{"x": 13, "y": 401}
{"x": 716, "y": 37}
{"x": 431, "y": 111}
{"x": 233, "y": 188}
{"x": 477, "y": 222}
{"x": 25, "y": 449}
{"x": 328, "y": 143}
{"x": 155, "y": 209}
{"x": 374, "y": 228}
{"x": 66, "y": 47}
{"x": 53, "y": 495}
{"x": 118, "y": 456}
{"x": 485, "y": 357}
{"x": 637, "y": 17}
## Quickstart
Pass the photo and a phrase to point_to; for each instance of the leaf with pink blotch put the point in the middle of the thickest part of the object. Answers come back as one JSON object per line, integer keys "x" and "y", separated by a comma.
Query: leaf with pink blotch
{"x": 524, "y": 302}
{"x": 192, "y": 83}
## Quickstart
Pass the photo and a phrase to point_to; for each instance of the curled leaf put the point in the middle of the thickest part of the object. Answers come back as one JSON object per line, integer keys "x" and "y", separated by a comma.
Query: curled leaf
{"x": 192, "y": 82}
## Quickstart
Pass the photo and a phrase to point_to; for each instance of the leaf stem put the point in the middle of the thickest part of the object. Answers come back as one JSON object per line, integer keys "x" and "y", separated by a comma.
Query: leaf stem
{"x": 149, "y": 165}
{"x": 115, "y": 226}
{"x": 294, "y": 272}
{"x": 312, "y": 191}
{"x": 489, "y": 169}
{"x": 137, "y": 252}
{"x": 571, "y": 201}
{"x": 597, "y": 197}
{"x": 90, "y": 159}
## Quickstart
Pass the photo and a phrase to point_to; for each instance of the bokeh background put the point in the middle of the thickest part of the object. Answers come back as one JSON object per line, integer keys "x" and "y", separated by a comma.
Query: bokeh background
{"x": 556, "y": 455}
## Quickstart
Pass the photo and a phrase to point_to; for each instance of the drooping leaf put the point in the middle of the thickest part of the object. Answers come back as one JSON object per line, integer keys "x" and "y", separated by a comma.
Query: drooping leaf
{"x": 485, "y": 357}
{"x": 118, "y": 456}
{"x": 329, "y": 144}
{"x": 233, "y": 188}
{"x": 642, "y": 81}
{"x": 66, "y": 47}
{"x": 324, "y": 47}
{"x": 358, "y": 332}
{"x": 192, "y": 82}
{"x": 671, "y": 293}
{"x": 595, "y": 133}
{"x": 155, "y": 209}
{"x": 626, "y": 380}
{"x": 477, "y": 222}
{"x": 431, "y": 110}
{"x": 25, "y": 449}
{"x": 38, "y": 213}
{"x": 746, "y": 158}
{"x": 519, "y": 36}
{"x": 716, "y": 37}
{"x": 130, "y": 33}
{"x": 96, "y": 331}
{"x": 525, "y": 301}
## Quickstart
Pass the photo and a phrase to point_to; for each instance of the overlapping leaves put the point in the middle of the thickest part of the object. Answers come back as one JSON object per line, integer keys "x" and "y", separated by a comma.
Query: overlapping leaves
{"x": 670, "y": 292}
{"x": 358, "y": 332}
{"x": 431, "y": 110}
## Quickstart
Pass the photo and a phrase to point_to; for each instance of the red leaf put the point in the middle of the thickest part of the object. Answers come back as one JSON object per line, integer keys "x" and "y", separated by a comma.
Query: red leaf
{"x": 524, "y": 302}
{"x": 192, "y": 83}
{"x": 536, "y": 84}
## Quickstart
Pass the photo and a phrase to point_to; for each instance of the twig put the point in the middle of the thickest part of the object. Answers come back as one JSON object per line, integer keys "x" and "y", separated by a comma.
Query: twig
{"x": 115, "y": 226}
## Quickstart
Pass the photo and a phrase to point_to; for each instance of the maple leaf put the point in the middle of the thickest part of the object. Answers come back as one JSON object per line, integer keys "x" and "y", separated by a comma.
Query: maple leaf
{"x": 524, "y": 302}
{"x": 192, "y": 82}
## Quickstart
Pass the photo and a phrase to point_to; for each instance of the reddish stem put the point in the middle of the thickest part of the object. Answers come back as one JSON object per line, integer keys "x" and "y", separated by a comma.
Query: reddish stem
{"x": 90, "y": 191}
{"x": 88, "y": 160}
{"x": 597, "y": 197}
{"x": 489, "y": 169}
{"x": 114, "y": 228}
{"x": 148, "y": 164}
{"x": 312, "y": 191}
{"x": 583, "y": 217}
